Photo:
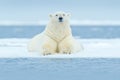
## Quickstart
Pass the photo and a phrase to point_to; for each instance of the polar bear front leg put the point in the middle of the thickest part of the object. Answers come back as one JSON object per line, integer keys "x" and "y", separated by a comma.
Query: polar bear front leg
{"x": 66, "y": 46}
{"x": 49, "y": 46}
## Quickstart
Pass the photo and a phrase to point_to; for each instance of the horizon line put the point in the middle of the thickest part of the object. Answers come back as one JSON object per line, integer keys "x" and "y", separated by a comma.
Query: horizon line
{"x": 72, "y": 22}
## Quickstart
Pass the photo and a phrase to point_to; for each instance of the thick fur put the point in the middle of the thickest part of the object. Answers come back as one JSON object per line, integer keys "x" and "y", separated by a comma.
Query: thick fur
{"x": 56, "y": 38}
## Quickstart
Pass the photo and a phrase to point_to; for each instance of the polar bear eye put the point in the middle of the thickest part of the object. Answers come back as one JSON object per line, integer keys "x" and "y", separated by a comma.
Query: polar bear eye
{"x": 63, "y": 14}
{"x": 56, "y": 15}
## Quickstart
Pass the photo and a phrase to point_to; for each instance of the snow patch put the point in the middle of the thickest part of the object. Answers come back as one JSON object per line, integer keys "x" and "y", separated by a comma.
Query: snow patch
{"x": 15, "y": 48}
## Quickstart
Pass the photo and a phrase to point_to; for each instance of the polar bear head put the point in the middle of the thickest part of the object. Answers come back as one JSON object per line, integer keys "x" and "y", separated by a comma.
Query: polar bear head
{"x": 60, "y": 17}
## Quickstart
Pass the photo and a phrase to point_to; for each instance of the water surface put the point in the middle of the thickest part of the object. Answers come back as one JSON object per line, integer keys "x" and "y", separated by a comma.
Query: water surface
{"x": 104, "y": 32}
{"x": 59, "y": 69}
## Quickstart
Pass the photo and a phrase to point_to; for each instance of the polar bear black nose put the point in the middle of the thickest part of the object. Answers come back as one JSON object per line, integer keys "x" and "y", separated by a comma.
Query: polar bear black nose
{"x": 60, "y": 19}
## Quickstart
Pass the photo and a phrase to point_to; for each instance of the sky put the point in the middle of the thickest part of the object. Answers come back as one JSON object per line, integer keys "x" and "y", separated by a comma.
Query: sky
{"x": 39, "y": 10}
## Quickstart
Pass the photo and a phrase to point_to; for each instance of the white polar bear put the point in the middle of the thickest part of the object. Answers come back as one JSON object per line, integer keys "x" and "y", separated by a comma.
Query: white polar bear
{"x": 56, "y": 38}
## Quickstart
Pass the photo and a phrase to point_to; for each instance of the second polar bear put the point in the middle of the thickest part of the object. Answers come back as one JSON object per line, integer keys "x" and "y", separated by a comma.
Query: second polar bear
{"x": 56, "y": 38}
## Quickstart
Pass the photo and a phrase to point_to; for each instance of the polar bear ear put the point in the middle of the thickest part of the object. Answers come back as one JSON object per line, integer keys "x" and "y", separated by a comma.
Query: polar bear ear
{"x": 68, "y": 14}
{"x": 50, "y": 15}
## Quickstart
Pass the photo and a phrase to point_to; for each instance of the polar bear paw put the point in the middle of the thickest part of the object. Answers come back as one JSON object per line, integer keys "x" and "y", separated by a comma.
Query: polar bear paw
{"x": 46, "y": 52}
{"x": 48, "y": 49}
{"x": 66, "y": 50}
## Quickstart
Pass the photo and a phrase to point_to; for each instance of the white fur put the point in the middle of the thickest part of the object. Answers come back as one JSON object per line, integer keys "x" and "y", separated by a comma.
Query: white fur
{"x": 56, "y": 38}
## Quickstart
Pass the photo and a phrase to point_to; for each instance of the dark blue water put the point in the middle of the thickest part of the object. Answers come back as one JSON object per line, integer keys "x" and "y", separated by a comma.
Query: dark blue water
{"x": 60, "y": 69}
{"x": 82, "y": 31}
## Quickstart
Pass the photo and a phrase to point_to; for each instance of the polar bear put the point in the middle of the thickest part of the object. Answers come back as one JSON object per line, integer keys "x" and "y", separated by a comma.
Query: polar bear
{"x": 56, "y": 38}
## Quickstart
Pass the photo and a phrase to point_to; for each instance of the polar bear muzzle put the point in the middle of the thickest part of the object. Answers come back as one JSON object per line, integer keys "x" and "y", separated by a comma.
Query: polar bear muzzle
{"x": 60, "y": 19}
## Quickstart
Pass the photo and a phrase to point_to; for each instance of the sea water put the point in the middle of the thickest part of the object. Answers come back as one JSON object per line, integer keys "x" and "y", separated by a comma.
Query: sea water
{"x": 60, "y": 69}
{"x": 82, "y": 31}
